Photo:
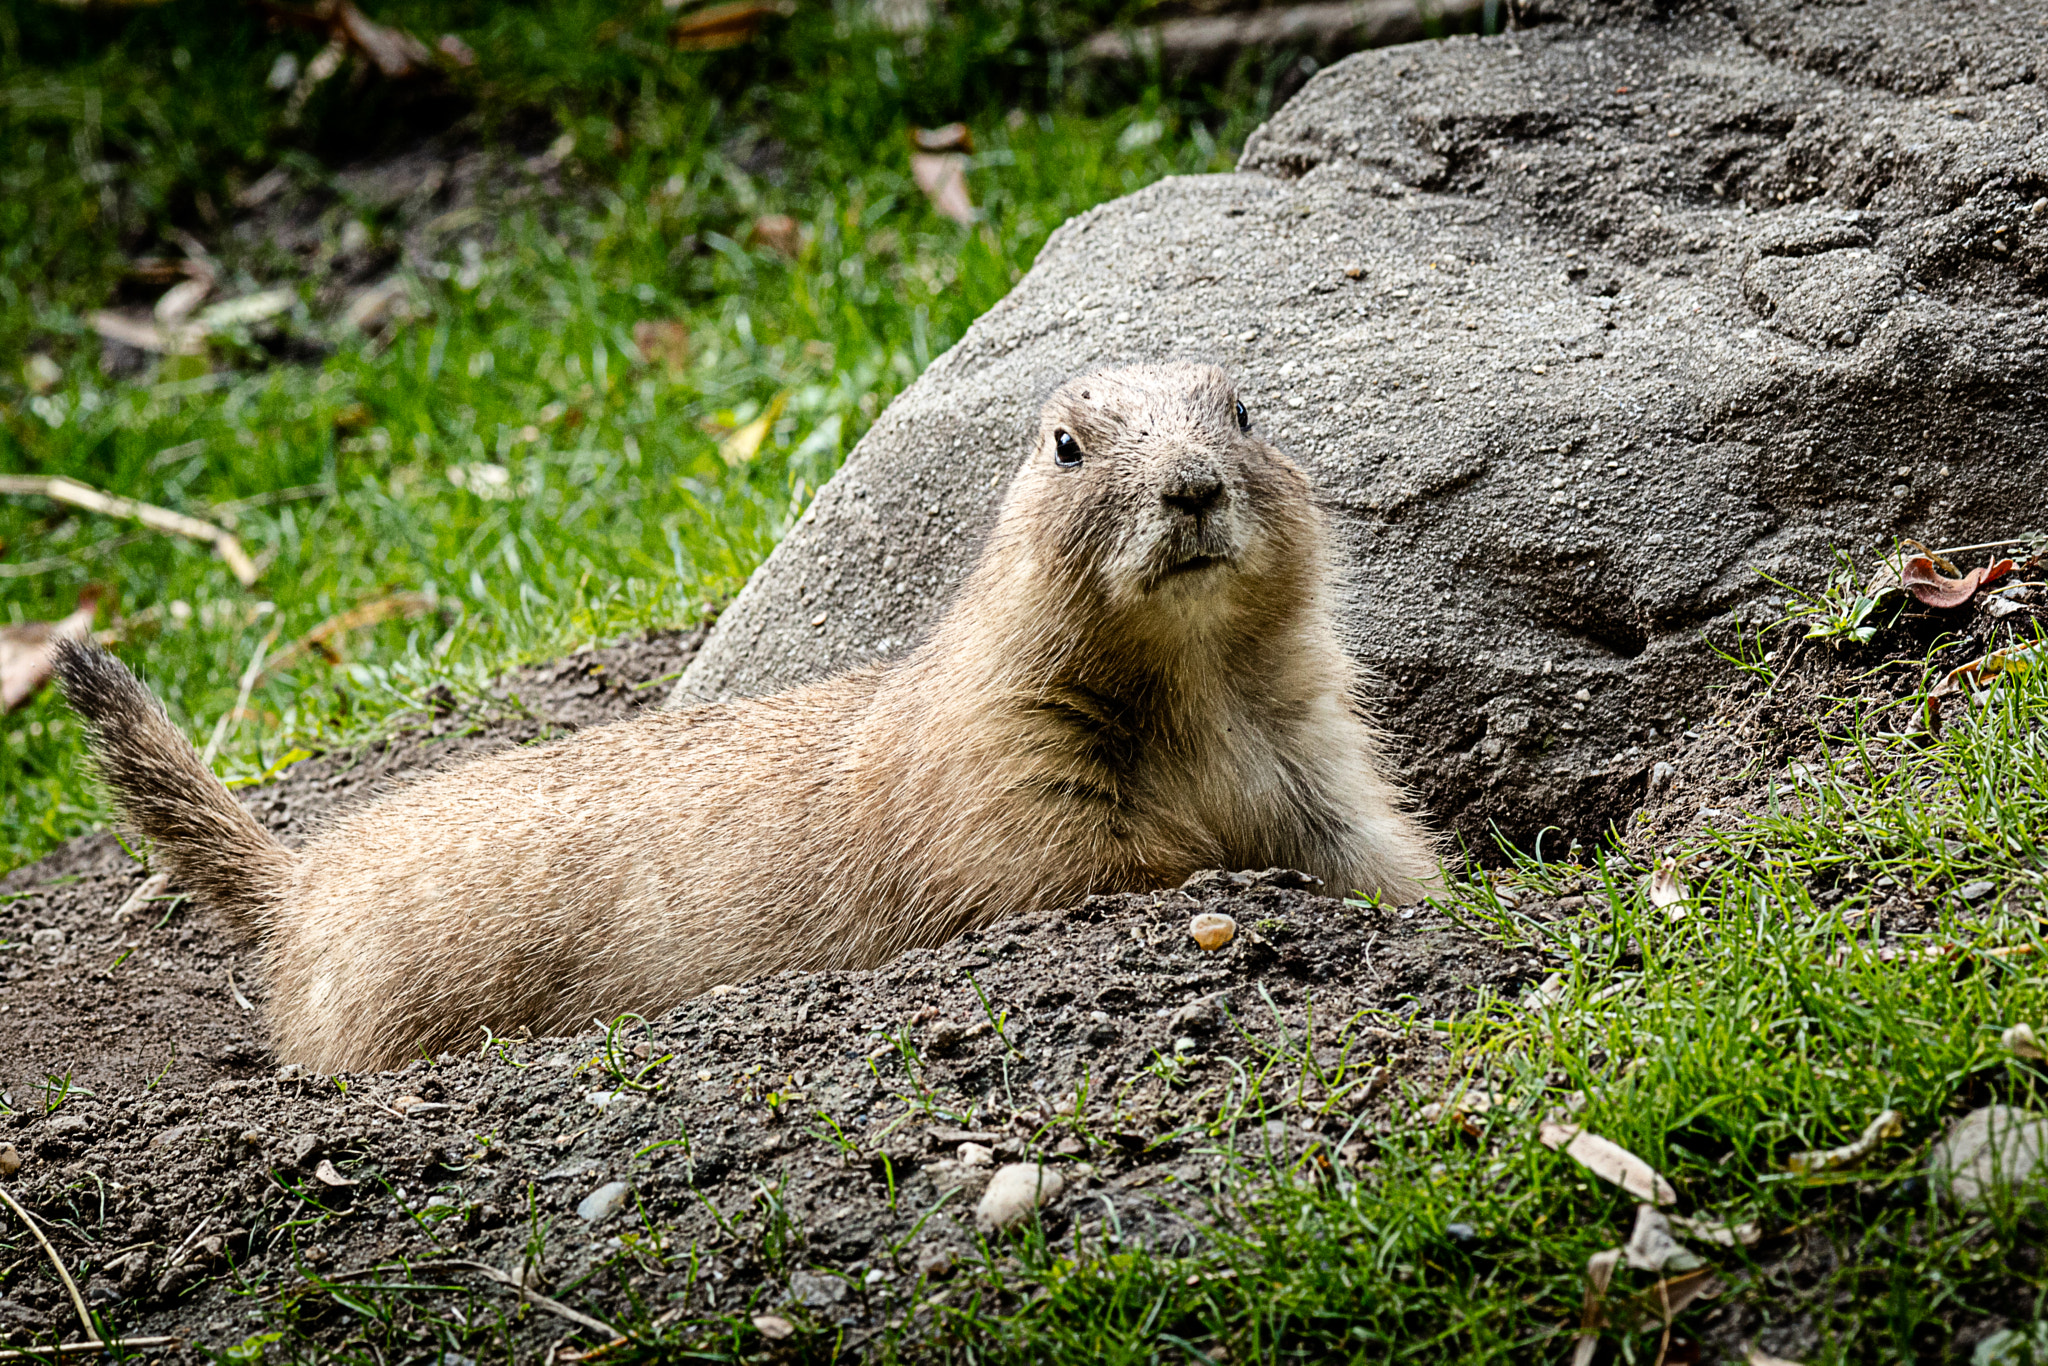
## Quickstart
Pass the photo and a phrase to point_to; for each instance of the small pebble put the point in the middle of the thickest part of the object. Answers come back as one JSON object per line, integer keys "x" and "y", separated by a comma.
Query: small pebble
{"x": 1976, "y": 891}
{"x": 944, "y": 1034}
{"x": 774, "y": 1327}
{"x": 10, "y": 1159}
{"x": 974, "y": 1155}
{"x": 1014, "y": 1193}
{"x": 1212, "y": 931}
{"x": 604, "y": 1202}
{"x": 1196, "y": 1017}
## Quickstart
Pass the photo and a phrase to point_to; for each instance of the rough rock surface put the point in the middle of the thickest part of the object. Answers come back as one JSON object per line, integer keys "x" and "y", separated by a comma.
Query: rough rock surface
{"x": 1577, "y": 328}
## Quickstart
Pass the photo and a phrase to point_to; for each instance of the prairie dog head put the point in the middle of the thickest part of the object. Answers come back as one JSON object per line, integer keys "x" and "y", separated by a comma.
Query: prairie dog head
{"x": 1149, "y": 495}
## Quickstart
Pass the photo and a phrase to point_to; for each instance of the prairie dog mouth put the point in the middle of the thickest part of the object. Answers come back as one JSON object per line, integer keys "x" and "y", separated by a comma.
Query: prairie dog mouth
{"x": 1189, "y": 567}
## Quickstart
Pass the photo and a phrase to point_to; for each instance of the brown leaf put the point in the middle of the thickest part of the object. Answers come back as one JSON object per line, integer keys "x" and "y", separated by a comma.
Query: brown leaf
{"x": 29, "y": 649}
{"x": 1931, "y": 587}
{"x": 665, "y": 342}
{"x": 1668, "y": 1297}
{"x": 1982, "y": 673}
{"x": 394, "y": 52}
{"x": 953, "y": 137}
{"x": 1665, "y": 889}
{"x": 779, "y": 233}
{"x": 1609, "y": 1161}
{"x": 943, "y": 178}
{"x": 718, "y": 27}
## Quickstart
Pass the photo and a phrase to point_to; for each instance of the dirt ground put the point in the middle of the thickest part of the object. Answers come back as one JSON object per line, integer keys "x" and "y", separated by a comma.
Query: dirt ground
{"x": 810, "y": 1147}
{"x": 794, "y": 1132}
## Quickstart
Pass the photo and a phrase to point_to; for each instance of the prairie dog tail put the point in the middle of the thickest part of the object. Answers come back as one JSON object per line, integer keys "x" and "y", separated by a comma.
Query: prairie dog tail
{"x": 203, "y": 838}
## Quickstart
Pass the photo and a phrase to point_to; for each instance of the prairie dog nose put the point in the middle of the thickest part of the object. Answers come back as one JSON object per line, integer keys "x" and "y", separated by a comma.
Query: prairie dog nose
{"x": 1193, "y": 494}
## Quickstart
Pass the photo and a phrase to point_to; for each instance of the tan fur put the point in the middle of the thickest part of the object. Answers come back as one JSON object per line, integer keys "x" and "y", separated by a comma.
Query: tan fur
{"x": 1083, "y": 719}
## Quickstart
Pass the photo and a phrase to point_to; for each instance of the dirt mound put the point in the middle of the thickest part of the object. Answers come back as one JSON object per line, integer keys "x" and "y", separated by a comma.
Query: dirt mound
{"x": 807, "y": 1145}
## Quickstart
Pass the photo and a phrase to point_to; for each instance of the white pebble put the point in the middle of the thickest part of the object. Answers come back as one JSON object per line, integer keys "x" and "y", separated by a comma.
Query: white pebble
{"x": 1013, "y": 1193}
{"x": 1212, "y": 931}
{"x": 603, "y": 1202}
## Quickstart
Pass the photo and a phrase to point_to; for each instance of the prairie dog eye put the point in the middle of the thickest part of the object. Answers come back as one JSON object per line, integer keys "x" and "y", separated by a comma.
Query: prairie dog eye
{"x": 1244, "y": 419}
{"x": 1066, "y": 452}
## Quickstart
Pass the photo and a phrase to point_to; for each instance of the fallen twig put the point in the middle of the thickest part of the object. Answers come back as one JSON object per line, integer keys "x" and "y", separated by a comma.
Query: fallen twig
{"x": 77, "y": 1300}
{"x": 1328, "y": 29}
{"x": 151, "y": 888}
{"x": 63, "y": 490}
{"x": 531, "y": 1296}
{"x": 74, "y": 1348}
{"x": 315, "y": 641}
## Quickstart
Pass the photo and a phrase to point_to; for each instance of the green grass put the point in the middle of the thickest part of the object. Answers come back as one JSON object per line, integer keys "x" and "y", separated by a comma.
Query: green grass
{"x": 612, "y": 509}
{"x": 1760, "y": 1024}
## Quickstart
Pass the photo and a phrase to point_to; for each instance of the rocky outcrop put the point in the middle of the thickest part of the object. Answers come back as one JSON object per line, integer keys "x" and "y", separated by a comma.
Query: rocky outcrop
{"x": 1579, "y": 329}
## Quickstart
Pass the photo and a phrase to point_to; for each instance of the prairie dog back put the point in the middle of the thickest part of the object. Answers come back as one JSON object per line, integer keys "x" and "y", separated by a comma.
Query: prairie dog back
{"x": 1139, "y": 679}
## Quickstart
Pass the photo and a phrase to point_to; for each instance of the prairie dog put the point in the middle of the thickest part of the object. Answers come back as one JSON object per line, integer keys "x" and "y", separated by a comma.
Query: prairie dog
{"x": 1139, "y": 679}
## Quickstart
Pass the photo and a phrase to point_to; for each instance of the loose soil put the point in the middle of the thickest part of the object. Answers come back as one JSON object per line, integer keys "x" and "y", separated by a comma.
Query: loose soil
{"x": 809, "y": 1145}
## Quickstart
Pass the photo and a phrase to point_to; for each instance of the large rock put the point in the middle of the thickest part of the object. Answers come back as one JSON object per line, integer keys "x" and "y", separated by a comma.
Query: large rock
{"x": 1577, "y": 328}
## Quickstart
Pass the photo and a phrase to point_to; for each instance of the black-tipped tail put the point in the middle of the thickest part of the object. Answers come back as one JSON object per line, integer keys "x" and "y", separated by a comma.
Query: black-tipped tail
{"x": 204, "y": 839}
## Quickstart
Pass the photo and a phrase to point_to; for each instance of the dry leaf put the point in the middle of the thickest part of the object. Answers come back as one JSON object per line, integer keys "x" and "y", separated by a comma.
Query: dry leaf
{"x": 1930, "y": 586}
{"x": 1665, "y": 889}
{"x": 250, "y": 308}
{"x": 743, "y": 445}
{"x": 143, "y": 335}
{"x": 1982, "y": 673}
{"x": 1889, "y": 1124}
{"x": 954, "y": 137}
{"x": 180, "y": 299}
{"x": 1652, "y": 1247}
{"x": 1757, "y": 1356}
{"x": 1668, "y": 1297}
{"x": 943, "y": 178}
{"x": 1718, "y": 1232}
{"x": 779, "y": 233}
{"x": 723, "y": 26}
{"x": 1599, "y": 1274}
{"x": 326, "y": 1175}
{"x": 29, "y": 648}
{"x": 665, "y": 342}
{"x": 395, "y": 53}
{"x": 1609, "y": 1161}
